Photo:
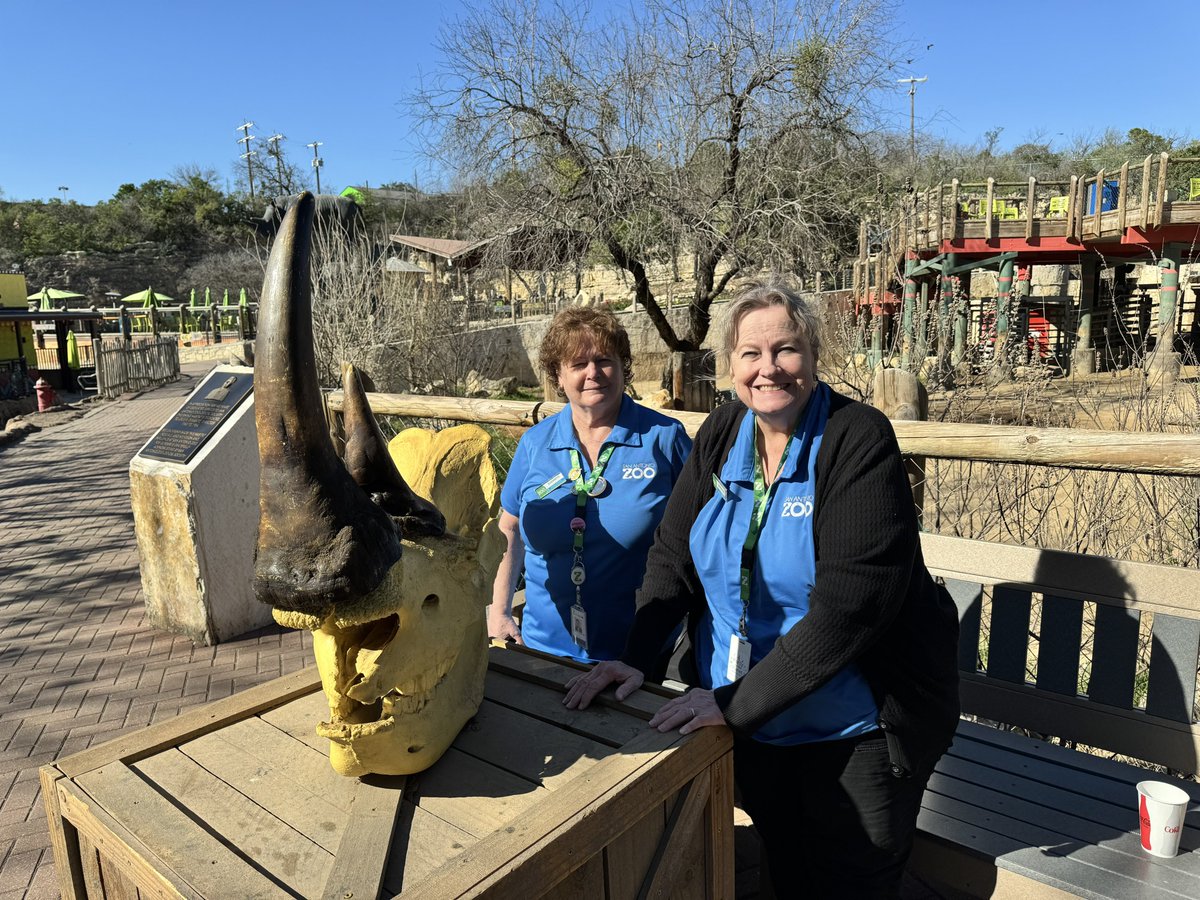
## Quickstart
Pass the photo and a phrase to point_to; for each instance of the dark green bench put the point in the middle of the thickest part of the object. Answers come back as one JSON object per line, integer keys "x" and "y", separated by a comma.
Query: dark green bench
{"x": 1009, "y": 814}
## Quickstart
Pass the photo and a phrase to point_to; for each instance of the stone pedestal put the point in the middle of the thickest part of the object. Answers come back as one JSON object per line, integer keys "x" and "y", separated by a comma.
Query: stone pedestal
{"x": 195, "y": 524}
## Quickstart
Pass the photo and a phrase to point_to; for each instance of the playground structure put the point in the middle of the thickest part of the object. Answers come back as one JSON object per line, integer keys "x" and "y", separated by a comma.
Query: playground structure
{"x": 928, "y": 244}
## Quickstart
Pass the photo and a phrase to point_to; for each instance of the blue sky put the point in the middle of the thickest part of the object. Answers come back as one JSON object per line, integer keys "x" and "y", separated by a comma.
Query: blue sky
{"x": 126, "y": 91}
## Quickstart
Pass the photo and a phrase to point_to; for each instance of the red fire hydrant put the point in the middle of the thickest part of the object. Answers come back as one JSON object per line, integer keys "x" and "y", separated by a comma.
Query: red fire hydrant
{"x": 45, "y": 395}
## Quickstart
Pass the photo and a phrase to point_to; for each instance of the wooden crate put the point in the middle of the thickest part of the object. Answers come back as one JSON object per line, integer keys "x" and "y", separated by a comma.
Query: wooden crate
{"x": 237, "y": 799}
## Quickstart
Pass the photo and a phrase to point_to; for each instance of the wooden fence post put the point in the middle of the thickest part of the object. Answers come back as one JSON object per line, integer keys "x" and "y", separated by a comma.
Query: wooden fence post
{"x": 693, "y": 379}
{"x": 900, "y": 395}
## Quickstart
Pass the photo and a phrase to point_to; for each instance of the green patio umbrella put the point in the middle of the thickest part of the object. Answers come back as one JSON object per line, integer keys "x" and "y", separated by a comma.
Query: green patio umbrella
{"x": 72, "y": 351}
{"x": 49, "y": 298}
{"x": 207, "y": 297}
{"x": 147, "y": 298}
{"x": 242, "y": 299}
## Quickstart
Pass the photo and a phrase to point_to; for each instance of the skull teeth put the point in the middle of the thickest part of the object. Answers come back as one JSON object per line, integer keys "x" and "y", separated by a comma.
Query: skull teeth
{"x": 362, "y": 712}
{"x": 346, "y": 732}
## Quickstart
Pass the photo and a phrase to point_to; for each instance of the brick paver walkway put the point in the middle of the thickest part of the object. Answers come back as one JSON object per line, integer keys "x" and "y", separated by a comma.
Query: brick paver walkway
{"x": 78, "y": 664}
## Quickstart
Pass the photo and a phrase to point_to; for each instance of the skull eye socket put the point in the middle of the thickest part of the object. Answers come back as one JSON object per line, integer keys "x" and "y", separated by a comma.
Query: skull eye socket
{"x": 431, "y": 600}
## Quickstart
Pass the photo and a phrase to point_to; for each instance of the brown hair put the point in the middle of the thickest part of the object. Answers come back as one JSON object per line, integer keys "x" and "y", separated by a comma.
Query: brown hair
{"x": 578, "y": 326}
{"x": 773, "y": 291}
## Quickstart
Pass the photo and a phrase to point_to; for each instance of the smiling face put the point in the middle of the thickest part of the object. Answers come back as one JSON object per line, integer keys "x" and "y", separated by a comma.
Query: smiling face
{"x": 592, "y": 379}
{"x": 772, "y": 367}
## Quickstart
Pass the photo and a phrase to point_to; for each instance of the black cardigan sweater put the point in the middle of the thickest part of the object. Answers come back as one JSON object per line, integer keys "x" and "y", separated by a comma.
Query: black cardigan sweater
{"x": 873, "y": 601}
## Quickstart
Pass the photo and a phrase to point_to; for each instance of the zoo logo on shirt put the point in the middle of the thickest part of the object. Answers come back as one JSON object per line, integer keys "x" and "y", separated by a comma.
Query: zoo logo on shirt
{"x": 797, "y": 507}
{"x": 638, "y": 471}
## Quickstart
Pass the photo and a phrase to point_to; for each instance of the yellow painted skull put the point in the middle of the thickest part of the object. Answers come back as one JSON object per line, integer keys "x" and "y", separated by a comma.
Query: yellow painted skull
{"x": 394, "y": 591}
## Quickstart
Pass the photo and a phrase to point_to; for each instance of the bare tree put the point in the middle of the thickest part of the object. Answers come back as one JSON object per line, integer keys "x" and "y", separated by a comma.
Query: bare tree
{"x": 727, "y": 127}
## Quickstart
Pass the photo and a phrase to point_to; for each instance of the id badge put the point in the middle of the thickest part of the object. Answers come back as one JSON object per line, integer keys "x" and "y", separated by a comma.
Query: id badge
{"x": 579, "y": 626}
{"x": 739, "y": 657}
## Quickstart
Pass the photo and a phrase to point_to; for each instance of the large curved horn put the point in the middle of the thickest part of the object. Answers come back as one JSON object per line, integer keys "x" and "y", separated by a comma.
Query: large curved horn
{"x": 321, "y": 541}
{"x": 372, "y": 468}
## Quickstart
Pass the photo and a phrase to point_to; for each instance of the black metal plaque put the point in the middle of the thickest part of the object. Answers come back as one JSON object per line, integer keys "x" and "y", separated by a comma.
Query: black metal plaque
{"x": 187, "y": 431}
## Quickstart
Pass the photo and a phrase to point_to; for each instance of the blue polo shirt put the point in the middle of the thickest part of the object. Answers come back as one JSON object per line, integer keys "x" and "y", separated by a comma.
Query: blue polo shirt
{"x": 648, "y": 455}
{"x": 781, "y": 580}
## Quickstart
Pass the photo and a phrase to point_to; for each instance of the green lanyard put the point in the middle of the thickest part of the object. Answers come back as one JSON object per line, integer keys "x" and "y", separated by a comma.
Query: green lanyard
{"x": 762, "y": 499}
{"x": 584, "y": 488}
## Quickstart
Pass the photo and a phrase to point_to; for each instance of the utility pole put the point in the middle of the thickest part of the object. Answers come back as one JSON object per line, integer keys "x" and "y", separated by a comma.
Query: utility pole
{"x": 317, "y": 162}
{"x": 64, "y": 189}
{"x": 273, "y": 150}
{"x": 246, "y": 139}
{"x": 912, "y": 113}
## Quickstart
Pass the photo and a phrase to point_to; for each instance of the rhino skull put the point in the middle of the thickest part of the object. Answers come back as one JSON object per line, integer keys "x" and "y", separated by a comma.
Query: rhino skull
{"x": 395, "y": 603}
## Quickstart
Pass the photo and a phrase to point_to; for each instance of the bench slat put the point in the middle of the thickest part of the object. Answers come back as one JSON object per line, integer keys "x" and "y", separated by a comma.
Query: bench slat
{"x": 1129, "y": 732}
{"x": 1047, "y": 855}
{"x": 1173, "y": 656}
{"x": 968, "y": 597}
{"x": 1116, "y": 644}
{"x": 1058, "y": 647}
{"x": 1008, "y": 639}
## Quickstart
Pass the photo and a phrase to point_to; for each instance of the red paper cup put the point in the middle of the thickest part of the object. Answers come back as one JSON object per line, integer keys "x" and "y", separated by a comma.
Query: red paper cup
{"x": 1161, "y": 808}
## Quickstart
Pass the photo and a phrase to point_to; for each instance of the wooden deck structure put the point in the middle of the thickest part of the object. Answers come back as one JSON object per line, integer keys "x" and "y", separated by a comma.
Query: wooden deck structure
{"x": 916, "y": 258}
{"x": 237, "y": 799}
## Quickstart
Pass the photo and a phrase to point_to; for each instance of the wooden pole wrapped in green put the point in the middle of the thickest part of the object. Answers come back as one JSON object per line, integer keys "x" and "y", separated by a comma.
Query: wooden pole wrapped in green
{"x": 944, "y": 320}
{"x": 908, "y": 315}
{"x": 1001, "y": 352}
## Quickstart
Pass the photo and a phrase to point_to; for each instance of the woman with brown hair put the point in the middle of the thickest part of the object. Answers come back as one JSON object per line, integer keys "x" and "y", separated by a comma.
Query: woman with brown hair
{"x": 584, "y": 494}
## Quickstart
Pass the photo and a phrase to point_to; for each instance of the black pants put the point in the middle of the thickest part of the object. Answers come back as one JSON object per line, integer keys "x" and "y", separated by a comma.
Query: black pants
{"x": 834, "y": 820}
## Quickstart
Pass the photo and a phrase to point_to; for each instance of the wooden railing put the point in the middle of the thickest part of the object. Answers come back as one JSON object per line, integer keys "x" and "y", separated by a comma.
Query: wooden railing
{"x": 132, "y": 366}
{"x": 1144, "y": 193}
{"x": 1155, "y": 454}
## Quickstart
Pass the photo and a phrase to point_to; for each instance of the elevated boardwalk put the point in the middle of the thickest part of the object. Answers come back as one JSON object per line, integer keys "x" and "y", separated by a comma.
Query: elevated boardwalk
{"x": 929, "y": 242}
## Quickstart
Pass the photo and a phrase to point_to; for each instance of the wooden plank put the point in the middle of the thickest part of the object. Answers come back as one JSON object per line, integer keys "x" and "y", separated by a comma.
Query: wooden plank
{"x": 554, "y": 673}
{"x": 1160, "y": 194}
{"x": 201, "y": 858}
{"x": 628, "y": 857}
{"x": 1144, "y": 586}
{"x": 719, "y": 839}
{"x": 422, "y": 842}
{"x": 1130, "y": 732}
{"x": 1030, "y": 199}
{"x": 684, "y": 830}
{"x": 116, "y": 845}
{"x": 289, "y": 779}
{"x": 1123, "y": 197}
{"x": 64, "y": 840}
{"x": 362, "y": 854}
{"x": 968, "y": 598}
{"x": 1116, "y": 644}
{"x": 1162, "y": 454}
{"x": 1173, "y": 659}
{"x": 89, "y": 860}
{"x": 147, "y": 741}
{"x": 221, "y": 810}
{"x": 1008, "y": 637}
{"x": 117, "y": 885}
{"x": 472, "y": 795}
{"x": 606, "y": 724}
{"x": 536, "y": 751}
{"x": 1059, "y": 645}
{"x": 299, "y": 719}
{"x": 580, "y": 817}
{"x": 585, "y": 883}
{"x": 1146, "y": 199}
{"x": 989, "y": 216}
{"x": 1098, "y": 209}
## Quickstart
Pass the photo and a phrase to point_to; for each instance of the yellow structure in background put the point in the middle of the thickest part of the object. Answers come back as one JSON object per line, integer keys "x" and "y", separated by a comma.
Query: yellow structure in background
{"x": 12, "y": 296}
